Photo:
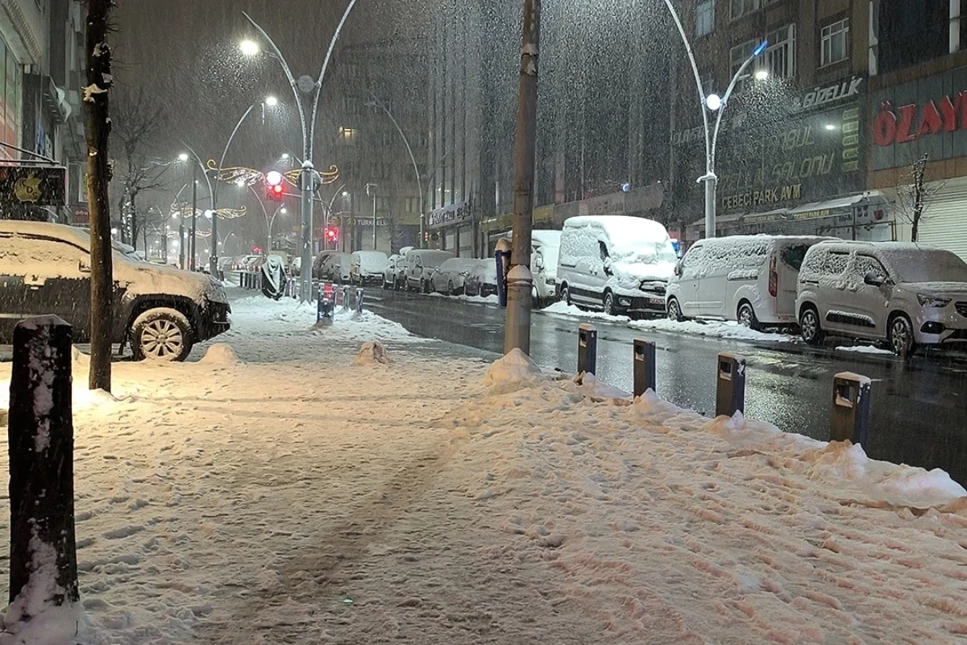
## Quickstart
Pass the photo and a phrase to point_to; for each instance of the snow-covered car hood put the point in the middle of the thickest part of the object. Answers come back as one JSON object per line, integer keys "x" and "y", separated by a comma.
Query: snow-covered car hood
{"x": 149, "y": 279}
{"x": 952, "y": 289}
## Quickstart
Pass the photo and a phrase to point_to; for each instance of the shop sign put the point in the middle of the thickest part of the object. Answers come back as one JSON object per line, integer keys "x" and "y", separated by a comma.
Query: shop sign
{"x": 927, "y": 116}
{"x": 450, "y": 214}
{"x": 25, "y": 185}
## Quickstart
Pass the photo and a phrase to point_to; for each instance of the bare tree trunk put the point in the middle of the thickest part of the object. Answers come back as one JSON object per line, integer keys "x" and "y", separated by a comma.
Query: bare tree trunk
{"x": 919, "y": 172}
{"x": 99, "y": 179}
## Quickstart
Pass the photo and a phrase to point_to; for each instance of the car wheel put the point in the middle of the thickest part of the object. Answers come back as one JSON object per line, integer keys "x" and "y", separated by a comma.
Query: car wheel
{"x": 566, "y": 295}
{"x": 901, "y": 336}
{"x": 809, "y": 326}
{"x": 161, "y": 335}
{"x": 747, "y": 318}
{"x": 675, "y": 311}
{"x": 609, "y": 309}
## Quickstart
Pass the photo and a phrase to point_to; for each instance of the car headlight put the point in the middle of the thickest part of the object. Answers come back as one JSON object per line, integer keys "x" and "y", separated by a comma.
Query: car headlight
{"x": 932, "y": 301}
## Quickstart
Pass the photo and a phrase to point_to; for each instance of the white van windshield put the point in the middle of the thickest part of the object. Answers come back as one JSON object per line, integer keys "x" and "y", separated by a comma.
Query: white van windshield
{"x": 927, "y": 265}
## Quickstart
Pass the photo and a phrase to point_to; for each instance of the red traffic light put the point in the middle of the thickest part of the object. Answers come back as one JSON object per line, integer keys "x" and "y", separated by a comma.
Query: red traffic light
{"x": 332, "y": 234}
{"x": 277, "y": 193}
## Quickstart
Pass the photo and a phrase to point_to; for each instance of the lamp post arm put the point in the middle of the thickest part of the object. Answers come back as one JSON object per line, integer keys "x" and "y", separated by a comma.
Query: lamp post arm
{"x": 725, "y": 102}
{"x": 698, "y": 84}
{"x": 409, "y": 150}
{"x": 221, "y": 162}
{"x": 289, "y": 76}
{"x": 204, "y": 172}
{"x": 322, "y": 76}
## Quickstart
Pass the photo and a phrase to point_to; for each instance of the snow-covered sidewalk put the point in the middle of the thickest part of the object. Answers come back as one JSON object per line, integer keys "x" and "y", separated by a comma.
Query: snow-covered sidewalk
{"x": 276, "y": 492}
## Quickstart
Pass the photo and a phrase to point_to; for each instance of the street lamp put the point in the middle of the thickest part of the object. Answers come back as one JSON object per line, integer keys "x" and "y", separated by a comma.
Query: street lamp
{"x": 183, "y": 157}
{"x": 713, "y": 103}
{"x": 416, "y": 168}
{"x": 309, "y": 178}
{"x": 249, "y": 48}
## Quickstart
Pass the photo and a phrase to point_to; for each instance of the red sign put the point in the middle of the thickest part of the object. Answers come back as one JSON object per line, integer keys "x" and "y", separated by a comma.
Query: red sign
{"x": 909, "y": 123}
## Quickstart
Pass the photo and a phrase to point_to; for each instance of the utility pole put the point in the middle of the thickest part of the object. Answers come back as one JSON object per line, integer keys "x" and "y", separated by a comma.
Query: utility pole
{"x": 99, "y": 179}
{"x": 194, "y": 218}
{"x": 517, "y": 333}
{"x": 371, "y": 190}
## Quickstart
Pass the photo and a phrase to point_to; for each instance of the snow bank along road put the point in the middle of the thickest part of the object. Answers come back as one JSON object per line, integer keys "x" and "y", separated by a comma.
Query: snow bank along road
{"x": 291, "y": 496}
{"x": 918, "y": 407}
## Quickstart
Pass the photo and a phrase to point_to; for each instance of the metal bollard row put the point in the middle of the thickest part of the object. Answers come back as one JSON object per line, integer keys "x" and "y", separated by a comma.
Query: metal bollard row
{"x": 851, "y": 401}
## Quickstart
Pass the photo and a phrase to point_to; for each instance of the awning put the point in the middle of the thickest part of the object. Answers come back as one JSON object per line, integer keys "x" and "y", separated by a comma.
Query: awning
{"x": 812, "y": 210}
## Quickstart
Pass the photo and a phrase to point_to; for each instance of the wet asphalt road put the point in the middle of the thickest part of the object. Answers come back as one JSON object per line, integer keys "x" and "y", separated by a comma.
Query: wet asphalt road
{"x": 919, "y": 413}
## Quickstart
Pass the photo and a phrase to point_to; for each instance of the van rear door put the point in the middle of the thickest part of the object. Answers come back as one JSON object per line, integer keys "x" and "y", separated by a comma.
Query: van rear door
{"x": 787, "y": 260}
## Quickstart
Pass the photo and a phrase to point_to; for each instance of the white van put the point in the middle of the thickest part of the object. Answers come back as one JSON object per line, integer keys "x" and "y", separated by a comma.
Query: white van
{"x": 748, "y": 278}
{"x": 615, "y": 263}
{"x": 547, "y": 251}
{"x": 905, "y": 294}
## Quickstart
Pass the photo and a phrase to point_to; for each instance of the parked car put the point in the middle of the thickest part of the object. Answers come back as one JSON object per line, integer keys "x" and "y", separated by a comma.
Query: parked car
{"x": 905, "y": 294}
{"x": 389, "y": 273}
{"x": 243, "y": 261}
{"x": 161, "y": 311}
{"x": 367, "y": 267}
{"x": 295, "y": 266}
{"x": 401, "y": 268}
{"x": 319, "y": 261}
{"x": 482, "y": 280}
{"x": 615, "y": 263}
{"x": 450, "y": 277}
{"x": 420, "y": 264}
{"x": 751, "y": 279}
{"x": 335, "y": 267}
{"x": 544, "y": 261}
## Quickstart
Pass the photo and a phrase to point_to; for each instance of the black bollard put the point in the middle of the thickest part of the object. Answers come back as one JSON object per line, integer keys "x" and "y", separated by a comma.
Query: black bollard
{"x": 850, "y": 419}
{"x": 587, "y": 349}
{"x": 41, "y": 448}
{"x": 644, "y": 367}
{"x": 730, "y": 393}
{"x": 345, "y": 297}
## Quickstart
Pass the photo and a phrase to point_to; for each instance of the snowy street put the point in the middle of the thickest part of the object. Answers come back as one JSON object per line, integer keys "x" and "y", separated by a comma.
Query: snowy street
{"x": 275, "y": 492}
{"x": 917, "y": 408}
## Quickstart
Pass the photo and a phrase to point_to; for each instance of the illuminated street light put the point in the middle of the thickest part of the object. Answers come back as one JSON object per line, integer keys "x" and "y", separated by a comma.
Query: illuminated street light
{"x": 762, "y": 75}
{"x": 285, "y": 156}
{"x": 249, "y": 48}
{"x": 271, "y": 101}
{"x": 713, "y": 102}
{"x": 183, "y": 157}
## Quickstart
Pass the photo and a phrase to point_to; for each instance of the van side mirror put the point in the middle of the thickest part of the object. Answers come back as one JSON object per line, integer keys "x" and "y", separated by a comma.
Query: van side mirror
{"x": 678, "y": 269}
{"x": 874, "y": 280}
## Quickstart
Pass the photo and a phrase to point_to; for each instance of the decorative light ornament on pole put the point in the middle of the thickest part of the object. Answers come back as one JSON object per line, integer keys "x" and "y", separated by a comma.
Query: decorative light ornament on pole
{"x": 309, "y": 180}
{"x": 712, "y": 103}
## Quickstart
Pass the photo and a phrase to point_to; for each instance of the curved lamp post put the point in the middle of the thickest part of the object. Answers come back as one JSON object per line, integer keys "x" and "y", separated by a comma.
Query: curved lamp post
{"x": 416, "y": 168}
{"x": 711, "y": 103}
{"x": 199, "y": 164}
{"x": 309, "y": 178}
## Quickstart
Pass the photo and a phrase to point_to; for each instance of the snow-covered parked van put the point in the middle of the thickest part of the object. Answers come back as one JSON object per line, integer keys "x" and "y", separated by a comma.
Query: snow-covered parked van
{"x": 615, "y": 263}
{"x": 748, "y": 278}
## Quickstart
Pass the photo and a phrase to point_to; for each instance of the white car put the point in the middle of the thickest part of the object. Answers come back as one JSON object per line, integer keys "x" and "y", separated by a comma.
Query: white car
{"x": 367, "y": 267}
{"x": 335, "y": 267}
{"x": 390, "y": 281}
{"x": 615, "y": 263}
{"x": 906, "y": 294}
{"x": 751, "y": 279}
{"x": 451, "y": 276}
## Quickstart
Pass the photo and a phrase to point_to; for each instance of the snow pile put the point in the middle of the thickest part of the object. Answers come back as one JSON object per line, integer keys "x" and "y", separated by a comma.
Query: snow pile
{"x": 372, "y": 353}
{"x": 564, "y": 309}
{"x": 514, "y": 371}
{"x": 711, "y": 329}
{"x": 220, "y": 354}
{"x": 80, "y": 360}
{"x": 865, "y": 349}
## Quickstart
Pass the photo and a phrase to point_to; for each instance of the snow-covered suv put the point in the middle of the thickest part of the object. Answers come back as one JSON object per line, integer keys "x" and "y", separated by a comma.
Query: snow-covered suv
{"x": 161, "y": 311}
{"x": 906, "y": 294}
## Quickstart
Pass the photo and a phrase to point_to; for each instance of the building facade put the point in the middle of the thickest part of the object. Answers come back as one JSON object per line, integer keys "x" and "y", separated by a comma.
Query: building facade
{"x": 41, "y": 63}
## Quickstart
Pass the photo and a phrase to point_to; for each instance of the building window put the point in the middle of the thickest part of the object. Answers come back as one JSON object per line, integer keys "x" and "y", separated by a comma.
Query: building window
{"x": 740, "y": 8}
{"x": 381, "y": 170}
{"x": 347, "y": 136}
{"x": 739, "y": 54}
{"x": 705, "y": 18}
{"x": 835, "y": 42}
{"x": 780, "y": 55}
{"x": 412, "y": 204}
{"x": 908, "y": 32}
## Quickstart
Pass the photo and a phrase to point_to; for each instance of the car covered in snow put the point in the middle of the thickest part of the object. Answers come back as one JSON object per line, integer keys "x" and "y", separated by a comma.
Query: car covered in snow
{"x": 450, "y": 277}
{"x": 335, "y": 267}
{"x": 906, "y": 294}
{"x": 318, "y": 263}
{"x": 751, "y": 279}
{"x": 161, "y": 311}
{"x": 482, "y": 280}
{"x": 367, "y": 267}
{"x": 615, "y": 263}
{"x": 420, "y": 265}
